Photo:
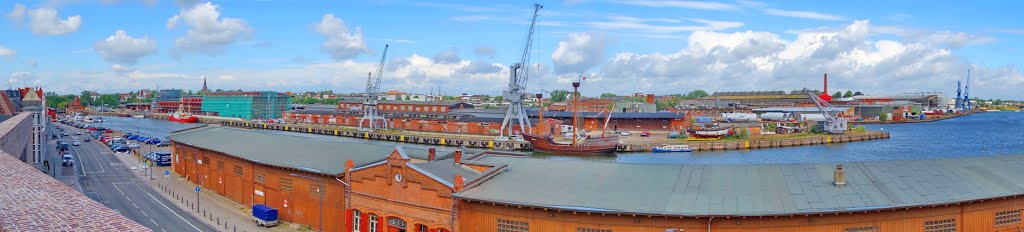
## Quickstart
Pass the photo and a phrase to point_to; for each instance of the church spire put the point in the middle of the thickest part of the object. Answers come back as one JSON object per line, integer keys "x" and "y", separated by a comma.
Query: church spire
{"x": 204, "y": 90}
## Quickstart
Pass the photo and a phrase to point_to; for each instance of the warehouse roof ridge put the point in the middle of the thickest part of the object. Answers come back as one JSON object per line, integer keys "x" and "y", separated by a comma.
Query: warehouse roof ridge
{"x": 289, "y": 151}
{"x": 747, "y": 189}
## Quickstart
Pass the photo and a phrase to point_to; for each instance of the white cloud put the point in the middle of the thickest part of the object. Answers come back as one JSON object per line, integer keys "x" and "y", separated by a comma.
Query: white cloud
{"x": 660, "y": 25}
{"x": 698, "y": 5}
{"x": 7, "y": 52}
{"x": 447, "y": 57}
{"x": 46, "y": 21}
{"x": 120, "y": 48}
{"x": 802, "y": 14}
{"x": 763, "y": 61}
{"x": 579, "y": 52}
{"x": 17, "y": 12}
{"x": 341, "y": 43}
{"x": 208, "y": 32}
{"x": 486, "y": 51}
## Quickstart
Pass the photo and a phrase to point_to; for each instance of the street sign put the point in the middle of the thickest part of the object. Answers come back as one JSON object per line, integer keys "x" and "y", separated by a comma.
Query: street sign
{"x": 167, "y": 173}
{"x": 197, "y": 189}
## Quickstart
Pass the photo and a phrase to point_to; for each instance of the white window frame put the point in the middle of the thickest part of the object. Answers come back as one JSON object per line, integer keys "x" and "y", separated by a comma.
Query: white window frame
{"x": 355, "y": 220}
{"x": 373, "y": 223}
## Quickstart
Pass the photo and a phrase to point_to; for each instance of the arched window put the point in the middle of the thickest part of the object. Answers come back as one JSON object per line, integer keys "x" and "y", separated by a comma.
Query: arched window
{"x": 356, "y": 218}
{"x": 373, "y": 223}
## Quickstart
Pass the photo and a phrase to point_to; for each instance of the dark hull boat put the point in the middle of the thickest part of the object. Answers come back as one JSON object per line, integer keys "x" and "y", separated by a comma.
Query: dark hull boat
{"x": 590, "y": 146}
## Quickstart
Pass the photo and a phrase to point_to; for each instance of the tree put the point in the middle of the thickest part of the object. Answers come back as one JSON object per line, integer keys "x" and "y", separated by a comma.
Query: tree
{"x": 848, "y": 94}
{"x": 607, "y": 95}
{"x": 697, "y": 94}
{"x": 406, "y": 97}
{"x": 559, "y": 95}
{"x": 63, "y": 104}
{"x": 838, "y": 95}
{"x": 486, "y": 98}
{"x": 499, "y": 98}
{"x": 998, "y": 102}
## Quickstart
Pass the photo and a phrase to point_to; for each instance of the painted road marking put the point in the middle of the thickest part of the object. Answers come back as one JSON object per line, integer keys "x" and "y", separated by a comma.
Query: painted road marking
{"x": 79, "y": 153}
{"x": 154, "y": 222}
{"x": 172, "y": 211}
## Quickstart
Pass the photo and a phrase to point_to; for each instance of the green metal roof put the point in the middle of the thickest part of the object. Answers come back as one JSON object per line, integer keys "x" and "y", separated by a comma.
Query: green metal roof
{"x": 304, "y": 153}
{"x": 747, "y": 190}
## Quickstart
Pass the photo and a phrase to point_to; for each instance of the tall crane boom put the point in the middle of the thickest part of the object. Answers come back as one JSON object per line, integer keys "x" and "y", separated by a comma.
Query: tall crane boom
{"x": 373, "y": 82}
{"x": 516, "y": 91}
{"x": 376, "y": 121}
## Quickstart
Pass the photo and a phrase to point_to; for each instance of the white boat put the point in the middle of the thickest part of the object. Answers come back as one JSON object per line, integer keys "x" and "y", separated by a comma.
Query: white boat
{"x": 138, "y": 116}
{"x": 673, "y": 148}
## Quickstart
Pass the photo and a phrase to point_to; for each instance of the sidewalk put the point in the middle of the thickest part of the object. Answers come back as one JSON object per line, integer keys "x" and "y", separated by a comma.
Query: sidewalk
{"x": 218, "y": 212}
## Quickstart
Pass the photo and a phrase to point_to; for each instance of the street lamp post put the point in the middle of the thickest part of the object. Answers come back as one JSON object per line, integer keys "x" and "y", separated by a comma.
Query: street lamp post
{"x": 321, "y": 192}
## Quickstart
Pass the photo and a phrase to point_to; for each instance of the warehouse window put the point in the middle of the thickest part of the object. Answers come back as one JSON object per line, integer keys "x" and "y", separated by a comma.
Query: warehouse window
{"x": 1006, "y": 218}
{"x": 315, "y": 191}
{"x": 260, "y": 179}
{"x": 220, "y": 165}
{"x": 286, "y": 184}
{"x": 206, "y": 160}
{"x": 512, "y": 226}
{"x": 862, "y": 229}
{"x": 373, "y": 223}
{"x": 355, "y": 220}
{"x": 591, "y": 230}
{"x": 948, "y": 225}
{"x": 422, "y": 228}
{"x": 238, "y": 170}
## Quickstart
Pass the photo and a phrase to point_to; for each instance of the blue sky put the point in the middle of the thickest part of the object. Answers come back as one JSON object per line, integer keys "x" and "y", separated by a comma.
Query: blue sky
{"x": 663, "y": 47}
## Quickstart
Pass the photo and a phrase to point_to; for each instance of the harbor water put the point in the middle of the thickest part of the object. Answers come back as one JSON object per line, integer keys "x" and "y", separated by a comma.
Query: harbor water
{"x": 991, "y": 133}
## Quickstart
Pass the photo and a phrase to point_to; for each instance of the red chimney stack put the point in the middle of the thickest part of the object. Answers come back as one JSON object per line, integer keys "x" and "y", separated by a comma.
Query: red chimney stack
{"x": 826, "y": 83}
{"x": 432, "y": 153}
{"x": 458, "y": 156}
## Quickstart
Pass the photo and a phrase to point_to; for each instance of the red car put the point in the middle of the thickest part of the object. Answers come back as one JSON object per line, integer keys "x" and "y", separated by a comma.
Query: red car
{"x": 108, "y": 131}
{"x": 645, "y": 134}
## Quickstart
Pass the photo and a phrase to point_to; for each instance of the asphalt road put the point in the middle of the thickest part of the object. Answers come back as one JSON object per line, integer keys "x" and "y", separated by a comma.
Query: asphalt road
{"x": 105, "y": 179}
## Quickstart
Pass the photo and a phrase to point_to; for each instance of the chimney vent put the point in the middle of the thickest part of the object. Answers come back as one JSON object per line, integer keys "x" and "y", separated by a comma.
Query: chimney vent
{"x": 458, "y": 156}
{"x": 840, "y": 176}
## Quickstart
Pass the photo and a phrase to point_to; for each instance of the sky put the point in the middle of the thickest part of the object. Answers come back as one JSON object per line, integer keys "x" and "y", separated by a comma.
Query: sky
{"x": 620, "y": 46}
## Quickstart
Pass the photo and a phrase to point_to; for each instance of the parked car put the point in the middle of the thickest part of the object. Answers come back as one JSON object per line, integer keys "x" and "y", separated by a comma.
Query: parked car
{"x": 65, "y": 133}
{"x": 625, "y": 133}
{"x": 165, "y": 143}
{"x": 134, "y": 145}
{"x": 120, "y": 149}
{"x": 153, "y": 141}
{"x": 131, "y": 137}
{"x": 108, "y": 131}
{"x": 645, "y": 134}
{"x": 141, "y": 138}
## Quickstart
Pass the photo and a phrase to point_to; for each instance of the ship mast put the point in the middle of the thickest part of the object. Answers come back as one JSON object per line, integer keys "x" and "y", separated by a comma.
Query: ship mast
{"x": 540, "y": 114}
{"x": 575, "y": 107}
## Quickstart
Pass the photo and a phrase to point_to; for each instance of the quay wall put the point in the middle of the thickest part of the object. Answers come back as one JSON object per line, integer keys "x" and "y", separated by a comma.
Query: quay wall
{"x": 760, "y": 144}
{"x": 517, "y": 145}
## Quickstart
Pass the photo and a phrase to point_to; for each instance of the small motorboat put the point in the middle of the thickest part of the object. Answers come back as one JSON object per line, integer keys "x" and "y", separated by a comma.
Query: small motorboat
{"x": 673, "y": 148}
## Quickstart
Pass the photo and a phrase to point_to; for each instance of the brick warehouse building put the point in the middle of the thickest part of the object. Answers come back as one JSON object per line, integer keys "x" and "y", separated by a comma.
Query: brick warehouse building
{"x": 395, "y": 188}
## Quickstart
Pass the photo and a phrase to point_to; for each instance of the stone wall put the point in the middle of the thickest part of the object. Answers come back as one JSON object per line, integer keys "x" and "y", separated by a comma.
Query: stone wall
{"x": 16, "y": 137}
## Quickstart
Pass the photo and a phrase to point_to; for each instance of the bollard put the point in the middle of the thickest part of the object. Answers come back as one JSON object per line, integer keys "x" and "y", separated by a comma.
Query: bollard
{"x": 235, "y": 229}
{"x": 218, "y": 220}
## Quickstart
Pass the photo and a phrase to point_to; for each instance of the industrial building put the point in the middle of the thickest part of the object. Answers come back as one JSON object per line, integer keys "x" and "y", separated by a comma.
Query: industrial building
{"x": 403, "y": 189}
{"x": 406, "y": 106}
{"x": 246, "y": 105}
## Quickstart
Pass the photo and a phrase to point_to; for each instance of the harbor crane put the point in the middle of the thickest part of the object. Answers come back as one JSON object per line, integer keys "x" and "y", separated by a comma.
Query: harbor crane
{"x": 833, "y": 124}
{"x": 967, "y": 100}
{"x": 376, "y": 121}
{"x": 516, "y": 91}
